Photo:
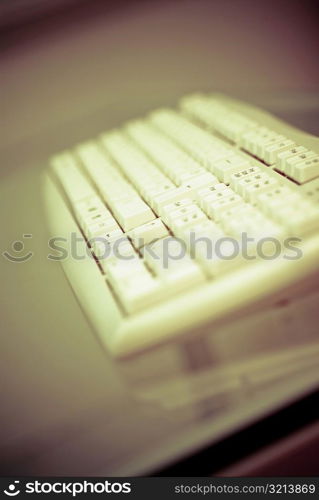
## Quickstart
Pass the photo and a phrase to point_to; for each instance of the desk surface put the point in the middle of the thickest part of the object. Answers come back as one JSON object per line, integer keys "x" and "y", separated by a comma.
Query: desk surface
{"x": 65, "y": 411}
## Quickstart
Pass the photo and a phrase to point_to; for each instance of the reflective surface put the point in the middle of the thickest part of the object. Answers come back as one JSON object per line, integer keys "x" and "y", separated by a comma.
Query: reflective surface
{"x": 65, "y": 410}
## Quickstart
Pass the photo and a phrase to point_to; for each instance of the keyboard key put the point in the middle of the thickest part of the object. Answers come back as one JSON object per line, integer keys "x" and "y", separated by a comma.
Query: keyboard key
{"x": 114, "y": 246}
{"x": 215, "y": 208}
{"x": 172, "y": 196}
{"x": 105, "y": 227}
{"x": 173, "y": 266}
{"x": 290, "y": 164}
{"x": 305, "y": 220}
{"x": 88, "y": 208}
{"x": 230, "y": 219}
{"x": 100, "y": 216}
{"x": 72, "y": 180}
{"x": 251, "y": 185}
{"x": 273, "y": 150}
{"x": 265, "y": 140}
{"x": 249, "y": 140}
{"x": 133, "y": 284}
{"x": 278, "y": 194}
{"x": 173, "y": 177}
{"x": 300, "y": 218}
{"x": 217, "y": 117}
{"x": 132, "y": 213}
{"x": 286, "y": 154}
{"x": 214, "y": 195}
{"x": 224, "y": 168}
{"x": 311, "y": 191}
{"x": 166, "y": 210}
{"x": 192, "y": 235}
{"x": 136, "y": 166}
{"x": 151, "y": 190}
{"x": 201, "y": 145}
{"x": 173, "y": 161}
{"x": 197, "y": 182}
{"x": 185, "y": 217}
{"x": 182, "y": 176}
{"x": 272, "y": 140}
{"x": 237, "y": 177}
{"x": 142, "y": 235}
{"x": 224, "y": 255}
{"x": 127, "y": 206}
{"x": 203, "y": 193}
{"x": 305, "y": 170}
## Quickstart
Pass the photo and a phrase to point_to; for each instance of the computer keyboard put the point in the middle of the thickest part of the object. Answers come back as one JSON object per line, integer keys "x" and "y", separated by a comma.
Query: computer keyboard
{"x": 188, "y": 216}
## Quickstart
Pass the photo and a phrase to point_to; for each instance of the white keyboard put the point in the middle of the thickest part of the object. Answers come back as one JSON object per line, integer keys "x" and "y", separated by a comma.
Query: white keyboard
{"x": 139, "y": 196}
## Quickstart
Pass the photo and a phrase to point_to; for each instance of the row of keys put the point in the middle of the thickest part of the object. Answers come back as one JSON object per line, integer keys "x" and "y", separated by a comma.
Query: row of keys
{"x": 272, "y": 148}
{"x": 72, "y": 180}
{"x": 174, "y": 162}
{"x": 147, "y": 178}
{"x": 220, "y": 201}
{"x": 139, "y": 283}
{"x": 128, "y": 275}
{"x": 133, "y": 283}
{"x": 125, "y": 203}
{"x": 95, "y": 220}
{"x": 218, "y": 117}
{"x": 286, "y": 206}
{"x": 215, "y": 156}
{"x": 154, "y": 186}
{"x": 200, "y": 144}
{"x": 312, "y": 191}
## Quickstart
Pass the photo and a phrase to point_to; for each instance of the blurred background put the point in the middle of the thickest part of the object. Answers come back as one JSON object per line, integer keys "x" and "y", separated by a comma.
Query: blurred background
{"x": 91, "y": 64}
{"x": 69, "y": 70}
